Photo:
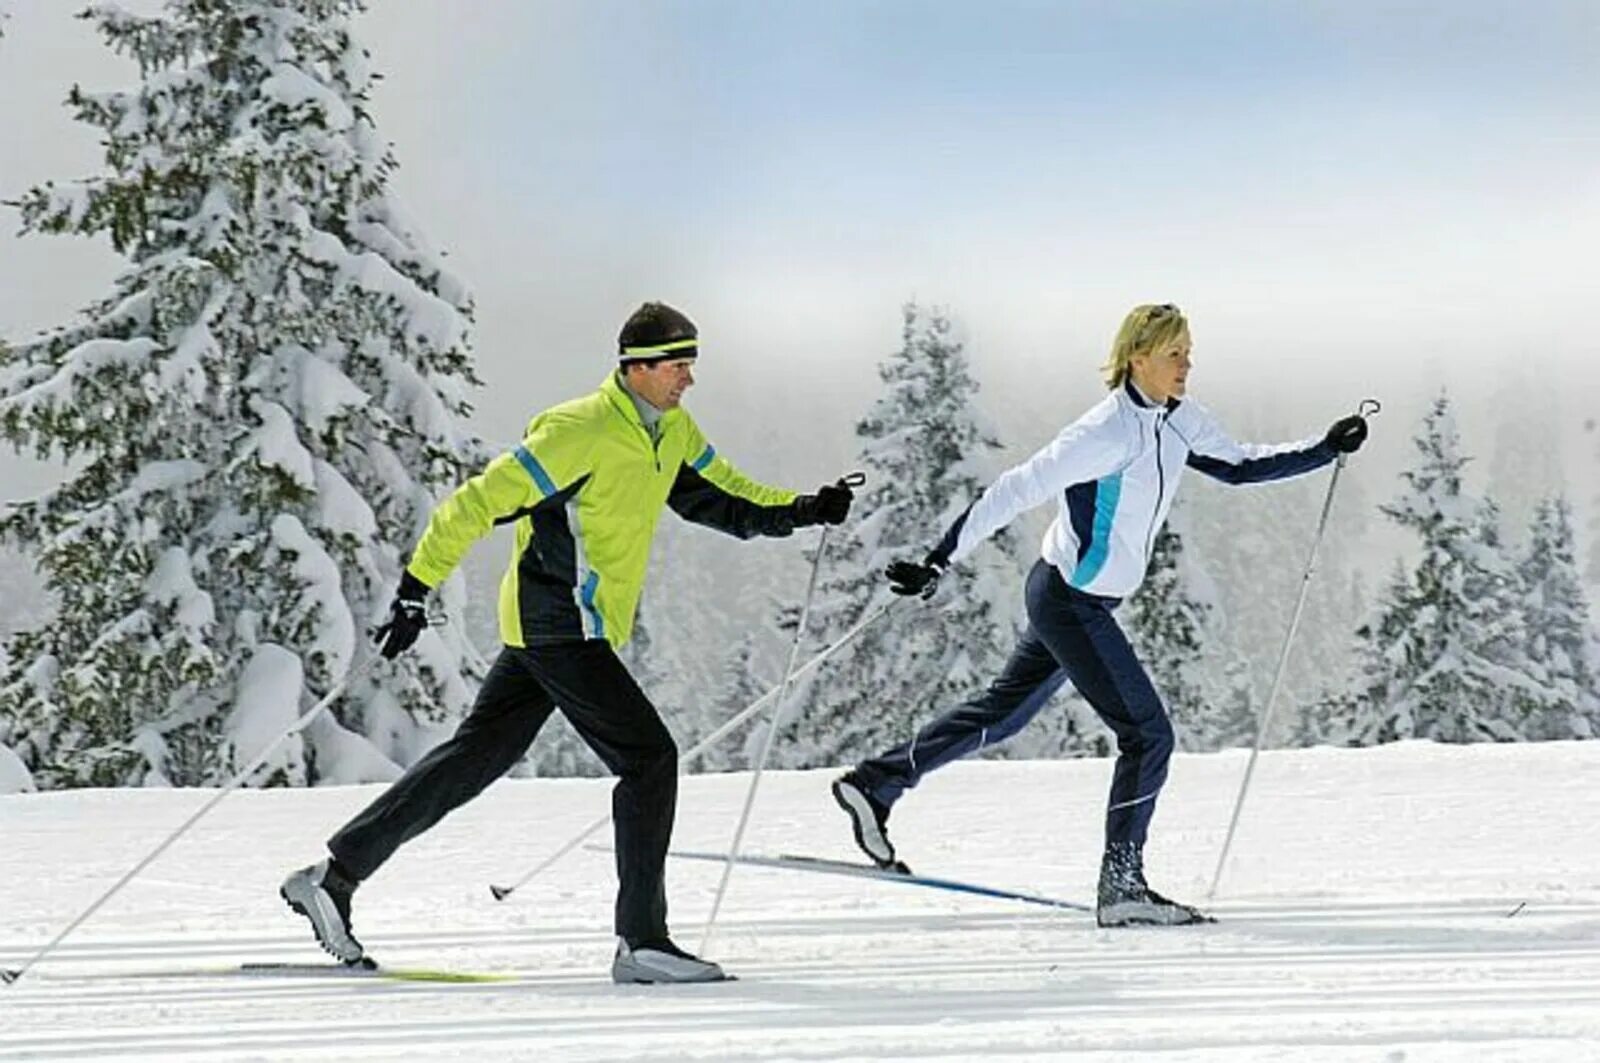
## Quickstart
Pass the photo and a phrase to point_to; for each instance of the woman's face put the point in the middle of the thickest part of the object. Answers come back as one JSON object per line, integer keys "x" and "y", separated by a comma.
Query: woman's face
{"x": 1164, "y": 373}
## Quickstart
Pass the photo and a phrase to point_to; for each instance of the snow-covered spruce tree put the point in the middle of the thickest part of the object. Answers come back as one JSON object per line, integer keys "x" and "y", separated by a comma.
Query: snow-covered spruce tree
{"x": 742, "y": 682}
{"x": 1444, "y": 657}
{"x": 1592, "y": 427}
{"x": 1556, "y": 621}
{"x": 927, "y": 455}
{"x": 262, "y": 414}
{"x": 718, "y": 612}
{"x": 1525, "y": 466}
{"x": 1254, "y": 544}
{"x": 559, "y": 751}
{"x": 1169, "y": 621}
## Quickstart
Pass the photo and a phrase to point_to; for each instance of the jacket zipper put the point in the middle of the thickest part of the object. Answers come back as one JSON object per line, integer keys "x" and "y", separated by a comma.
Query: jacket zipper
{"x": 655, "y": 444}
{"x": 1161, "y": 490}
{"x": 654, "y": 441}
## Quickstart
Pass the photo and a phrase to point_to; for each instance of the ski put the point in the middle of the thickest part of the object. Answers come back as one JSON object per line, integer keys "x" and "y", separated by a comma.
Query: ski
{"x": 369, "y": 969}
{"x": 826, "y": 866}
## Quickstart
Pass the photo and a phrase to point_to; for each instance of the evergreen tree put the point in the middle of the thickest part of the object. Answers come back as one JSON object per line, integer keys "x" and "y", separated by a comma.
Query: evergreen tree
{"x": 927, "y": 456}
{"x": 1255, "y": 542}
{"x": 263, "y": 413}
{"x": 1556, "y": 622}
{"x": 1525, "y": 467}
{"x": 1168, "y": 622}
{"x": 1444, "y": 656}
{"x": 743, "y": 681}
{"x": 1592, "y": 428}
{"x": 1164, "y": 624}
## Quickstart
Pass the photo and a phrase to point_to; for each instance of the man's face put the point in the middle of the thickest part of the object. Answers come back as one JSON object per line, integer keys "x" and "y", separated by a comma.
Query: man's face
{"x": 662, "y": 384}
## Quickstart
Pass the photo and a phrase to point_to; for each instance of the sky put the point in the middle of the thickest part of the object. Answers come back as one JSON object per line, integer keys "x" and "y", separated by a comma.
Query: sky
{"x": 1348, "y": 199}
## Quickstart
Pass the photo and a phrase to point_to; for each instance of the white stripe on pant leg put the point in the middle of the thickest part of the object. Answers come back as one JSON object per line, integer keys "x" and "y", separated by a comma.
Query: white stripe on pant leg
{"x": 1130, "y": 804}
{"x": 983, "y": 740}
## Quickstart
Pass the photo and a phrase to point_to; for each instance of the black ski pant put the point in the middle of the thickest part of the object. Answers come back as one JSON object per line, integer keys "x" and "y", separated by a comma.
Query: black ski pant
{"x": 1070, "y": 635}
{"x": 608, "y": 710}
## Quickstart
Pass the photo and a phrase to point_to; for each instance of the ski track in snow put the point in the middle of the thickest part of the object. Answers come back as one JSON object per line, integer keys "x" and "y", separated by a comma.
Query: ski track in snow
{"x": 1378, "y": 928}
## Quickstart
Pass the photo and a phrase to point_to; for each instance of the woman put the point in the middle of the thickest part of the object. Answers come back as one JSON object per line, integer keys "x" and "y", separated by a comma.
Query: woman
{"x": 1113, "y": 474}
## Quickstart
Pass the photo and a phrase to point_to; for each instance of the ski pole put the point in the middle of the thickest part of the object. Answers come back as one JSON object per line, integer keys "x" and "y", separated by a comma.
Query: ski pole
{"x": 705, "y": 744}
{"x": 10, "y": 976}
{"x": 852, "y": 480}
{"x": 1366, "y": 409}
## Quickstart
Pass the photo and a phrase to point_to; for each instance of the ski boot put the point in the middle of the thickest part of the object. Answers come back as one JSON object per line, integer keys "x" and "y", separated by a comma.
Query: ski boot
{"x": 869, "y": 820}
{"x": 659, "y": 961}
{"x": 1124, "y": 898}
{"x": 321, "y": 893}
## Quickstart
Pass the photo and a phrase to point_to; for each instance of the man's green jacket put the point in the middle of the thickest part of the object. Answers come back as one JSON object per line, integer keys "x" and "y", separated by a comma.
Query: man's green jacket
{"x": 585, "y": 490}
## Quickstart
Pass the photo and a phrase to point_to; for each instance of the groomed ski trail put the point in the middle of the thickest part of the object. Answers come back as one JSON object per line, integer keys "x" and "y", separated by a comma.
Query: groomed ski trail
{"x": 1371, "y": 920}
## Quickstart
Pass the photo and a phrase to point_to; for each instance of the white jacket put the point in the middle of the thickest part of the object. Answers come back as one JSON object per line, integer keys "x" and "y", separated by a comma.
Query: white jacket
{"x": 1113, "y": 473}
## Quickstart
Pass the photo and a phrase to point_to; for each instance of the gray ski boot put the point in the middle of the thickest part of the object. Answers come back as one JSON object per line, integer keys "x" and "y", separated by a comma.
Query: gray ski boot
{"x": 321, "y": 893}
{"x": 660, "y": 961}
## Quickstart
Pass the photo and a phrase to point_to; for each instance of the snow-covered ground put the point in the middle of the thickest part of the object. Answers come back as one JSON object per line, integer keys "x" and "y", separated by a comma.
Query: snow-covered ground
{"x": 1411, "y": 902}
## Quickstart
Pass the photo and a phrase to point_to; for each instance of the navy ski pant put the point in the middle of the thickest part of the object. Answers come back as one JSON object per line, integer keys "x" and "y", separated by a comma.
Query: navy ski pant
{"x": 1070, "y": 635}
{"x": 608, "y": 710}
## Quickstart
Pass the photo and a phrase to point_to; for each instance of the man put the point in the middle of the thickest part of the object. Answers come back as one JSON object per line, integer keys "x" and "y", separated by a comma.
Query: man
{"x": 584, "y": 492}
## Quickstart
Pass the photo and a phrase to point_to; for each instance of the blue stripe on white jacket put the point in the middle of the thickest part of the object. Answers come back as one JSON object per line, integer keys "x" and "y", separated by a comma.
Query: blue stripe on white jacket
{"x": 1113, "y": 473}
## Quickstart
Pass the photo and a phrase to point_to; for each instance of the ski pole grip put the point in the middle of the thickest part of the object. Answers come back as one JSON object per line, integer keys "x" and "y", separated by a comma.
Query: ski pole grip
{"x": 853, "y": 479}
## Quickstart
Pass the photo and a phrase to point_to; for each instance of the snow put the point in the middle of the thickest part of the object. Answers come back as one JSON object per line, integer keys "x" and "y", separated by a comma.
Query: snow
{"x": 321, "y": 593}
{"x": 14, "y": 775}
{"x": 433, "y": 322}
{"x": 340, "y": 507}
{"x": 1410, "y": 902}
{"x": 267, "y": 704}
{"x": 322, "y": 391}
{"x": 196, "y": 346}
{"x": 345, "y": 757}
{"x": 173, "y": 583}
{"x": 85, "y": 360}
{"x": 293, "y": 89}
{"x": 276, "y": 443}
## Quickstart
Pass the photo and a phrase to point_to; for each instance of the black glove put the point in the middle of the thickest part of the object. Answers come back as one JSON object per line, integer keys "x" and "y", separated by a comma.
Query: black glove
{"x": 1347, "y": 434}
{"x": 908, "y": 577}
{"x": 830, "y": 505}
{"x": 407, "y": 617}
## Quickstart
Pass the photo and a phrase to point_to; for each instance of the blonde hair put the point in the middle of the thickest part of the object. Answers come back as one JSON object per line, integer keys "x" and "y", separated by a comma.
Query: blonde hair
{"x": 1147, "y": 328}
